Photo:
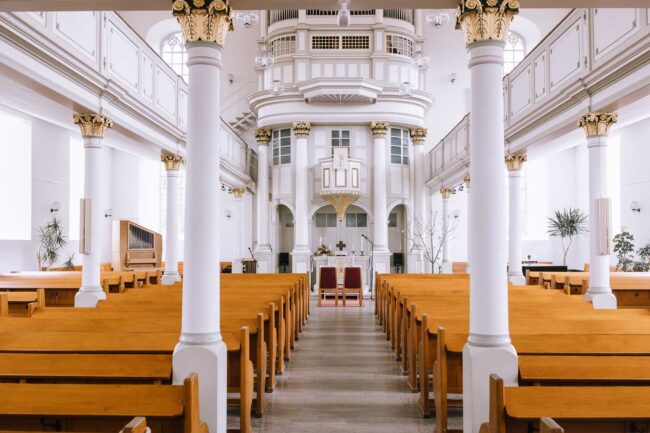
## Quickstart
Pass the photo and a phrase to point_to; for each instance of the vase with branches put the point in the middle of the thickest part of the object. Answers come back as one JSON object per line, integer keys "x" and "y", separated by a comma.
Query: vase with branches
{"x": 431, "y": 236}
{"x": 50, "y": 242}
{"x": 567, "y": 224}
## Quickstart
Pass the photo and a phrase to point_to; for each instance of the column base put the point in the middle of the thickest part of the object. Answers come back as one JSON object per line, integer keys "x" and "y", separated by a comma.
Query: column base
{"x": 89, "y": 296}
{"x": 479, "y": 362}
{"x": 381, "y": 262}
{"x": 446, "y": 268}
{"x": 517, "y": 280}
{"x": 602, "y": 301}
{"x": 170, "y": 278}
{"x": 300, "y": 260}
{"x": 264, "y": 256}
{"x": 208, "y": 360}
{"x": 416, "y": 263}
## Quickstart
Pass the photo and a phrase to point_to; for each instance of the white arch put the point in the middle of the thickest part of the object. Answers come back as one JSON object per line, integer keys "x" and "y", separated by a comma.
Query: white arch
{"x": 528, "y": 30}
{"x": 161, "y": 31}
{"x": 278, "y": 203}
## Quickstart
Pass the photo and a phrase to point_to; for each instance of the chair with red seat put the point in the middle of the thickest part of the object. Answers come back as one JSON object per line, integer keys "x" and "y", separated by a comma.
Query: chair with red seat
{"x": 352, "y": 283}
{"x": 328, "y": 284}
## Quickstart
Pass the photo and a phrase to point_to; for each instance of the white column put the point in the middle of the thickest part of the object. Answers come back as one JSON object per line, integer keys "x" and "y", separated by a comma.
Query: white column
{"x": 301, "y": 253}
{"x": 488, "y": 349}
{"x": 381, "y": 254}
{"x": 467, "y": 180}
{"x": 416, "y": 255}
{"x": 201, "y": 348}
{"x": 515, "y": 164}
{"x": 597, "y": 126}
{"x": 172, "y": 165}
{"x": 262, "y": 251}
{"x": 93, "y": 127}
{"x": 447, "y": 267}
{"x": 238, "y": 235}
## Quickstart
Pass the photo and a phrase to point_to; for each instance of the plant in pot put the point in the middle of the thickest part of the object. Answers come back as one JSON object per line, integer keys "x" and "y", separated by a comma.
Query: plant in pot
{"x": 643, "y": 265}
{"x": 50, "y": 242}
{"x": 624, "y": 248}
{"x": 567, "y": 224}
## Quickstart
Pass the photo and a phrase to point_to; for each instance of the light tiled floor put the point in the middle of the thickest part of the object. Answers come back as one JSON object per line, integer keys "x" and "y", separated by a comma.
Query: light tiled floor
{"x": 342, "y": 378}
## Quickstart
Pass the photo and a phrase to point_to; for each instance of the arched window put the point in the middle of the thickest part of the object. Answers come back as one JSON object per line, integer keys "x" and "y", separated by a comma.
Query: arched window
{"x": 173, "y": 52}
{"x": 514, "y": 52}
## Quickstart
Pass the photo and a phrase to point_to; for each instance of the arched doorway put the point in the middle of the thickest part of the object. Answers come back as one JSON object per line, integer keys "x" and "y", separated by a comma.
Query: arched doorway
{"x": 285, "y": 238}
{"x": 398, "y": 238}
{"x": 327, "y": 230}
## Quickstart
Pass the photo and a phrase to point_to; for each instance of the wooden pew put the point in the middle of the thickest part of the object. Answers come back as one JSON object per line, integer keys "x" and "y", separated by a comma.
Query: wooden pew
{"x": 21, "y": 303}
{"x": 588, "y": 409}
{"x": 101, "y": 407}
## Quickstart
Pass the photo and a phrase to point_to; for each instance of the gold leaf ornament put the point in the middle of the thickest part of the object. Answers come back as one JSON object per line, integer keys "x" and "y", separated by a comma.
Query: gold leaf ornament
{"x": 207, "y": 21}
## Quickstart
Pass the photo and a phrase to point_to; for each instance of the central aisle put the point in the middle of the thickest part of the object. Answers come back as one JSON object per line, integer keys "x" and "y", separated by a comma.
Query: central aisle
{"x": 342, "y": 378}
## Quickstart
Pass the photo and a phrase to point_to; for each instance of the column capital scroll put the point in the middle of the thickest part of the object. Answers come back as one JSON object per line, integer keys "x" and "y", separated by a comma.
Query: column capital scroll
{"x": 419, "y": 135}
{"x": 446, "y": 192}
{"x": 596, "y": 124}
{"x": 379, "y": 128}
{"x": 204, "y": 20}
{"x": 301, "y": 129}
{"x": 263, "y": 136}
{"x": 92, "y": 124}
{"x": 467, "y": 180}
{"x": 483, "y": 20}
{"x": 171, "y": 160}
{"x": 515, "y": 162}
{"x": 238, "y": 192}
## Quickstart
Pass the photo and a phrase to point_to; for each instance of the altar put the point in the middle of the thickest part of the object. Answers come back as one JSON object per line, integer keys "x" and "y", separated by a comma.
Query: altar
{"x": 340, "y": 263}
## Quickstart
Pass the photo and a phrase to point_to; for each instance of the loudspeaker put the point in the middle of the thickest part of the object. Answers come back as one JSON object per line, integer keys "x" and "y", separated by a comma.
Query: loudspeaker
{"x": 398, "y": 260}
{"x": 283, "y": 259}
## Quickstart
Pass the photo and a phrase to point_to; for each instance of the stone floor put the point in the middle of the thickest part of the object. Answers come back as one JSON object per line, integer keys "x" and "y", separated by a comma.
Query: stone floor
{"x": 342, "y": 378}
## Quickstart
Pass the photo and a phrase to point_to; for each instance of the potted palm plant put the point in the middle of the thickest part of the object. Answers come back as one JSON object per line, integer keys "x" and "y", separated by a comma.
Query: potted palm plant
{"x": 50, "y": 241}
{"x": 567, "y": 224}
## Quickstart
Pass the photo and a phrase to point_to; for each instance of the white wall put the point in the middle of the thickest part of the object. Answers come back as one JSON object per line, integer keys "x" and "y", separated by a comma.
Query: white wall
{"x": 635, "y": 180}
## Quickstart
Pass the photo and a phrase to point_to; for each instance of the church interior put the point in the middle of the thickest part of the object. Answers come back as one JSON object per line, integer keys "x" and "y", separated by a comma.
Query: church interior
{"x": 228, "y": 216}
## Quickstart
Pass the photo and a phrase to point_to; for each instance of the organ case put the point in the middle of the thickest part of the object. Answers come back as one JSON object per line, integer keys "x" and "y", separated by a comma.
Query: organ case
{"x": 135, "y": 246}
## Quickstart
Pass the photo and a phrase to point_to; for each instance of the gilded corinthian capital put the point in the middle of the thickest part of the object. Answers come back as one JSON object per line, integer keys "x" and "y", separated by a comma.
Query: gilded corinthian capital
{"x": 446, "y": 192}
{"x": 301, "y": 129}
{"x": 419, "y": 135}
{"x": 263, "y": 136}
{"x": 171, "y": 160}
{"x": 483, "y": 20}
{"x": 515, "y": 162}
{"x": 204, "y": 20}
{"x": 379, "y": 128}
{"x": 92, "y": 124}
{"x": 467, "y": 180}
{"x": 596, "y": 124}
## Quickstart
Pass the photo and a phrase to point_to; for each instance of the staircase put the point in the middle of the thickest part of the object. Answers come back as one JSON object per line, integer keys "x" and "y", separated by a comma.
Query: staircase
{"x": 237, "y": 112}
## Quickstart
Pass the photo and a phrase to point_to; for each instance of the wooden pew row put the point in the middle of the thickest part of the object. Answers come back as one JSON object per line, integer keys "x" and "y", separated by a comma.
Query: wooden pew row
{"x": 548, "y": 360}
{"x": 262, "y": 351}
{"x": 106, "y": 407}
{"x": 21, "y": 303}
{"x": 588, "y": 409}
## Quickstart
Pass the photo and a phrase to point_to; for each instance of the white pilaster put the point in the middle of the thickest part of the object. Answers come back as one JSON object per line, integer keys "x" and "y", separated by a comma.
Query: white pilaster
{"x": 447, "y": 266}
{"x": 515, "y": 165}
{"x": 597, "y": 126}
{"x": 301, "y": 255}
{"x": 172, "y": 165}
{"x": 467, "y": 180}
{"x": 238, "y": 194}
{"x": 93, "y": 127}
{"x": 262, "y": 251}
{"x": 381, "y": 254}
{"x": 488, "y": 349}
{"x": 201, "y": 348}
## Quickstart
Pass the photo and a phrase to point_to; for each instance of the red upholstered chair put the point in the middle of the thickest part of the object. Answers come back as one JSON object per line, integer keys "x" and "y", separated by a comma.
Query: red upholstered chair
{"x": 328, "y": 284}
{"x": 352, "y": 283}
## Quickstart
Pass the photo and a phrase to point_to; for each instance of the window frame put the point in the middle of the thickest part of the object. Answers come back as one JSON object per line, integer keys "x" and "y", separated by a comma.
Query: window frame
{"x": 179, "y": 66}
{"x": 281, "y": 146}
{"x": 402, "y": 157}
{"x": 340, "y": 139}
{"x": 512, "y": 54}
